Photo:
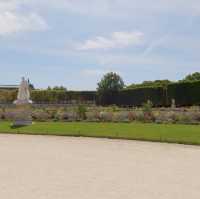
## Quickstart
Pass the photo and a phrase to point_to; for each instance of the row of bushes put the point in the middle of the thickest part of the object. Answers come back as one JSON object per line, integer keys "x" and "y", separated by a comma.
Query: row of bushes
{"x": 184, "y": 94}
{"x": 51, "y": 96}
{"x": 146, "y": 114}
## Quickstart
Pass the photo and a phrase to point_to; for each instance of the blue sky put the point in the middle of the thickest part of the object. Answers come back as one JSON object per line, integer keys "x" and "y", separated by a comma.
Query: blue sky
{"x": 74, "y": 42}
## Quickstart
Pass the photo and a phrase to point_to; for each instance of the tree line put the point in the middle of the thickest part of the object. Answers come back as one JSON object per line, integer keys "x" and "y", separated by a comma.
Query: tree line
{"x": 112, "y": 90}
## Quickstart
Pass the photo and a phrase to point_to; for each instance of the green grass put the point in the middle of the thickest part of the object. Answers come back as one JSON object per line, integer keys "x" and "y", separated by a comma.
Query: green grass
{"x": 183, "y": 134}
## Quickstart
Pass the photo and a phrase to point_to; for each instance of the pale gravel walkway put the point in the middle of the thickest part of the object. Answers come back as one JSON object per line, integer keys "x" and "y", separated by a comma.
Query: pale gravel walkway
{"x": 42, "y": 167}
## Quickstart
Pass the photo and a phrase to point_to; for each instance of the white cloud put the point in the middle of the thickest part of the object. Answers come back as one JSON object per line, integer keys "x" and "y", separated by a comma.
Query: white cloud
{"x": 116, "y": 40}
{"x": 11, "y": 22}
{"x": 7, "y": 5}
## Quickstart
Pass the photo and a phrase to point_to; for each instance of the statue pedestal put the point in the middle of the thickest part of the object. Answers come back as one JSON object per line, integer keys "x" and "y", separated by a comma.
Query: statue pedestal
{"x": 22, "y": 115}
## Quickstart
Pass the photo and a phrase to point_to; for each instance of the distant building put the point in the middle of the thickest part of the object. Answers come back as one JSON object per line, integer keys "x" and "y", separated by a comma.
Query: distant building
{"x": 9, "y": 87}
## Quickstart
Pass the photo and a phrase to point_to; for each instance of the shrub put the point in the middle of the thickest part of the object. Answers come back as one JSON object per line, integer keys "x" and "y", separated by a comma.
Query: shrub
{"x": 106, "y": 116}
{"x": 72, "y": 116}
{"x": 147, "y": 111}
{"x": 175, "y": 117}
{"x": 52, "y": 112}
{"x": 64, "y": 116}
{"x": 120, "y": 117}
{"x": 196, "y": 116}
{"x": 40, "y": 115}
{"x": 139, "y": 116}
{"x": 183, "y": 118}
{"x": 147, "y": 107}
{"x": 131, "y": 116}
{"x": 81, "y": 112}
{"x": 92, "y": 116}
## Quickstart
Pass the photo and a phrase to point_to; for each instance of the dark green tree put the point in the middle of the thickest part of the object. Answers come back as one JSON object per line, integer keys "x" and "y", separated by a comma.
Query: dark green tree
{"x": 59, "y": 88}
{"x": 192, "y": 77}
{"x": 110, "y": 82}
{"x": 156, "y": 83}
{"x": 31, "y": 86}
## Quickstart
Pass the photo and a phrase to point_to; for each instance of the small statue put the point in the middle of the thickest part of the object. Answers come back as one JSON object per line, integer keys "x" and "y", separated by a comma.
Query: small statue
{"x": 23, "y": 106}
{"x": 173, "y": 104}
{"x": 23, "y": 96}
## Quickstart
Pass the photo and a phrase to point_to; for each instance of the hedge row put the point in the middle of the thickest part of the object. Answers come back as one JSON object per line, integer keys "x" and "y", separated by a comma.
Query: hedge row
{"x": 185, "y": 94}
{"x": 62, "y": 97}
{"x": 50, "y": 96}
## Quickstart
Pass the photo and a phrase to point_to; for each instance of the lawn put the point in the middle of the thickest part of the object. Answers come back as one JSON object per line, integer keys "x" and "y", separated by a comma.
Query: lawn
{"x": 183, "y": 134}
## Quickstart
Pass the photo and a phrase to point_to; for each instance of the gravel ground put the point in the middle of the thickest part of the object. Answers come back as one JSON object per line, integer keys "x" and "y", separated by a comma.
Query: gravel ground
{"x": 44, "y": 167}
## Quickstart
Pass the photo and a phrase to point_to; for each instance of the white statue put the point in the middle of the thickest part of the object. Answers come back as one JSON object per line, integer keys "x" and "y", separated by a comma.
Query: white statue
{"x": 23, "y": 96}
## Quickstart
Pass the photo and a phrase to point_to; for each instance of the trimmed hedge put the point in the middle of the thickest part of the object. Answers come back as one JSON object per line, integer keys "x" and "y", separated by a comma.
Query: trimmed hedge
{"x": 8, "y": 96}
{"x": 59, "y": 97}
{"x": 137, "y": 97}
{"x": 184, "y": 93}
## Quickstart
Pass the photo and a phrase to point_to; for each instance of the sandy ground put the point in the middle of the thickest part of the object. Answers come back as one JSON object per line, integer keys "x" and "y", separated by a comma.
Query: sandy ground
{"x": 42, "y": 167}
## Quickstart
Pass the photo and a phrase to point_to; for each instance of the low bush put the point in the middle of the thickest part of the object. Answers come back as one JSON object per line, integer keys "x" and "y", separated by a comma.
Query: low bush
{"x": 106, "y": 116}
{"x": 41, "y": 115}
{"x": 131, "y": 116}
{"x": 120, "y": 117}
{"x": 72, "y": 116}
{"x": 93, "y": 116}
{"x": 81, "y": 112}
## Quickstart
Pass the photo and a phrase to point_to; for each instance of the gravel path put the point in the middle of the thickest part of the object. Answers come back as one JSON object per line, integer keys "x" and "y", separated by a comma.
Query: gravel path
{"x": 42, "y": 167}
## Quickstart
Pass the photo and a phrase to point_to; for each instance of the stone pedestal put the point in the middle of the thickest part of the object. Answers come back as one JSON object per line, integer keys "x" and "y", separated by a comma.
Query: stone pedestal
{"x": 22, "y": 115}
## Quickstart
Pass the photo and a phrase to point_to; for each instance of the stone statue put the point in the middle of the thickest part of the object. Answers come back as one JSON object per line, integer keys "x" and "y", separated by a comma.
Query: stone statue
{"x": 23, "y": 106}
{"x": 23, "y": 96}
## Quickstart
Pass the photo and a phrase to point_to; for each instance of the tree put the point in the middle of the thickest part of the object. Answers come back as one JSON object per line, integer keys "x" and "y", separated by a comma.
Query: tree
{"x": 110, "y": 82}
{"x": 57, "y": 88}
{"x": 156, "y": 83}
{"x": 31, "y": 86}
{"x": 192, "y": 77}
{"x": 60, "y": 88}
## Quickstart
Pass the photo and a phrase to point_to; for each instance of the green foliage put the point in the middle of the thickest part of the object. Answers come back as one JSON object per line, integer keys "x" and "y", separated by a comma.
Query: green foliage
{"x": 31, "y": 86}
{"x": 81, "y": 112}
{"x": 8, "y": 96}
{"x": 156, "y": 83}
{"x": 184, "y": 93}
{"x": 57, "y": 88}
{"x": 192, "y": 77}
{"x": 110, "y": 92}
{"x": 62, "y": 97}
{"x": 110, "y": 82}
{"x": 147, "y": 107}
{"x": 138, "y": 96}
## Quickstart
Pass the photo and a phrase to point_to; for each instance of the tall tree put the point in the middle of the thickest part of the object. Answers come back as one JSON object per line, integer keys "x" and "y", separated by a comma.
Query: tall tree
{"x": 110, "y": 82}
{"x": 192, "y": 77}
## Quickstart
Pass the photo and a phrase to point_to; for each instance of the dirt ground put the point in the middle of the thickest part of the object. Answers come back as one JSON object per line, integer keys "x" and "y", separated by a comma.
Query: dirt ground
{"x": 44, "y": 167}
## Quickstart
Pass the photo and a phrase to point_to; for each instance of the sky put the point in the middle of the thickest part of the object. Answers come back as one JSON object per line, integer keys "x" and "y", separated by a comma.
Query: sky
{"x": 75, "y": 42}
